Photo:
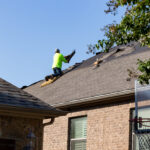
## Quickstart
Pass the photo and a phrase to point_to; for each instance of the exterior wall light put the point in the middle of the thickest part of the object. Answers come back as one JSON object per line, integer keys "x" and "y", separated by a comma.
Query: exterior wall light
{"x": 30, "y": 141}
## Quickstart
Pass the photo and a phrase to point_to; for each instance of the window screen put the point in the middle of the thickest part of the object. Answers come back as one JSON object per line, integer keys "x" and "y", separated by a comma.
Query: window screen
{"x": 143, "y": 113}
{"x": 78, "y": 133}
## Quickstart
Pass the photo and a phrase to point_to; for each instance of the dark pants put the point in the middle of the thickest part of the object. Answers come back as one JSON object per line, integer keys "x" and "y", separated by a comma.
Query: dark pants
{"x": 57, "y": 72}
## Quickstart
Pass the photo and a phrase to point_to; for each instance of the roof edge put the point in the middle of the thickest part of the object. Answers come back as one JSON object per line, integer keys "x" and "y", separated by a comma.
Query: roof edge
{"x": 30, "y": 112}
{"x": 97, "y": 98}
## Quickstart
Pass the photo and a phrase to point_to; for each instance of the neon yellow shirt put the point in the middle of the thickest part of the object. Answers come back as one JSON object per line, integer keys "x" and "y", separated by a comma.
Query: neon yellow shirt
{"x": 57, "y": 60}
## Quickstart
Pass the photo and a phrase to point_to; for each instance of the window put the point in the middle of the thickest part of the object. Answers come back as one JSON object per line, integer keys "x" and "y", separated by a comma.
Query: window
{"x": 6, "y": 144}
{"x": 135, "y": 144}
{"x": 145, "y": 141}
{"x": 78, "y": 133}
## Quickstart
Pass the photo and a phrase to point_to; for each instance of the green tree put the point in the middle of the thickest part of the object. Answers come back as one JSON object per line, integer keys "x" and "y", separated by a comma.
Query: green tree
{"x": 134, "y": 26}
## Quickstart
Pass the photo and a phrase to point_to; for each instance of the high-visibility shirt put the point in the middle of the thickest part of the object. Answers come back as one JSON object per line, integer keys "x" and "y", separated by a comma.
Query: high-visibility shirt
{"x": 57, "y": 60}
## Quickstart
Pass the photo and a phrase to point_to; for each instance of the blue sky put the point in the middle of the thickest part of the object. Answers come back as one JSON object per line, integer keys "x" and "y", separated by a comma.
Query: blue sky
{"x": 30, "y": 30}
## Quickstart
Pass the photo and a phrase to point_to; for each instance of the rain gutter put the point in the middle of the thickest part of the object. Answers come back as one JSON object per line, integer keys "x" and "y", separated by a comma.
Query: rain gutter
{"x": 98, "y": 98}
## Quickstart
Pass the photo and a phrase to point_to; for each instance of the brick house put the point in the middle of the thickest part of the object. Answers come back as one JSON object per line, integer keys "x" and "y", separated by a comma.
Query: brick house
{"x": 99, "y": 101}
{"x": 21, "y": 118}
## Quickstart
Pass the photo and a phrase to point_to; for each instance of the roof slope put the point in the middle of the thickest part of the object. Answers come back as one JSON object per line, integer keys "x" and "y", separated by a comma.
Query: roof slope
{"x": 86, "y": 81}
{"x": 13, "y": 97}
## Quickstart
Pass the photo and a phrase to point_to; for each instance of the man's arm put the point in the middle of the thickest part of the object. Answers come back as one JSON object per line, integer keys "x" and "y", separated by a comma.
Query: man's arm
{"x": 63, "y": 59}
{"x": 68, "y": 57}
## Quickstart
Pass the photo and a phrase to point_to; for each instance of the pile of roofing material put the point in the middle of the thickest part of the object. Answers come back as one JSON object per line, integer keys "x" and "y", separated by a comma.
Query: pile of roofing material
{"x": 113, "y": 52}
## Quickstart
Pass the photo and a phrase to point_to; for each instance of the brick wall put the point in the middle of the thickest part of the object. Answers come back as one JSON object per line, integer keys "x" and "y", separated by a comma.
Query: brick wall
{"x": 107, "y": 128}
{"x": 18, "y": 128}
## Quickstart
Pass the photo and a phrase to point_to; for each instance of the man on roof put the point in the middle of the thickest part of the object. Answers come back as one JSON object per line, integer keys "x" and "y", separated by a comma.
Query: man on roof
{"x": 57, "y": 63}
{"x": 58, "y": 59}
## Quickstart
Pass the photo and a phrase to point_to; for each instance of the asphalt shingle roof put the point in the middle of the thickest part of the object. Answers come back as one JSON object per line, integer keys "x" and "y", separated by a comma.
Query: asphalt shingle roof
{"x": 11, "y": 96}
{"x": 86, "y": 81}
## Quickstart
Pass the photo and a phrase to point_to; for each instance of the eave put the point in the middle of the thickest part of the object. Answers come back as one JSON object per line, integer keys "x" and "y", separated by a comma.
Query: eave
{"x": 99, "y": 99}
{"x": 16, "y": 111}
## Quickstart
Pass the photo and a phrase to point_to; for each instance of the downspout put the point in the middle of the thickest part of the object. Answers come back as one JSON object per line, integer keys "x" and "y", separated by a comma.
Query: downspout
{"x": 52, "y": 119}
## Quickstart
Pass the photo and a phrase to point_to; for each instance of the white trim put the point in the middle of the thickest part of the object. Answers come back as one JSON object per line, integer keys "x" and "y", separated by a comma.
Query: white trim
{"x": 78, "y": 139}
{"x": 98, "y": 97}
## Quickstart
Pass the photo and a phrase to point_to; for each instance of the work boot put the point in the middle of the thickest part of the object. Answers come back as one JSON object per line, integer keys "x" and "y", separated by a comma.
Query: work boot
{"x": 48, "y": 77}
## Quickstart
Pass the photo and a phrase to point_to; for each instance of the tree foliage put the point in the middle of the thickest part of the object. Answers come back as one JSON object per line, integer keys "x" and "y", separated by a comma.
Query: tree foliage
{"x": 144, "y": 68}
{"x": 134, "y": 26}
